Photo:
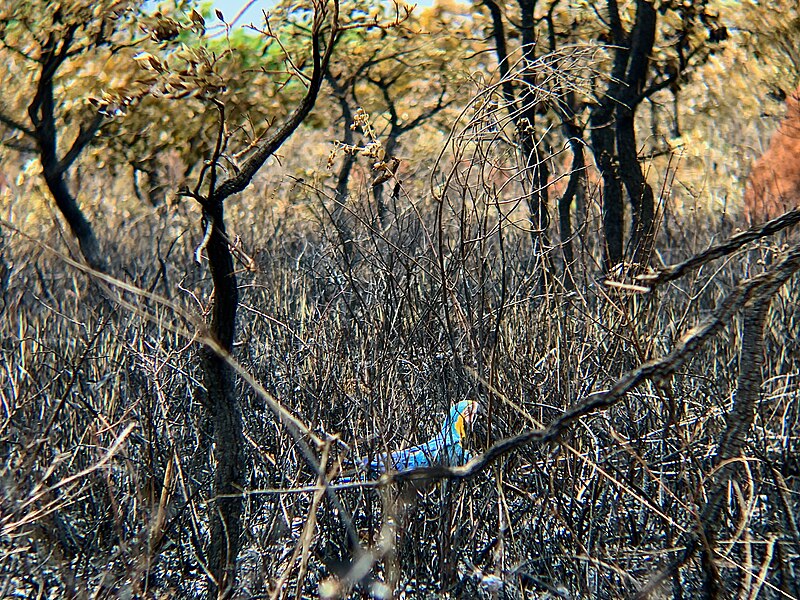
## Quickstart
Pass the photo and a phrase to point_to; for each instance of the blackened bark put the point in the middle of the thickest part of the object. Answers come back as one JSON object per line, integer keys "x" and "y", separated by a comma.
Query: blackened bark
{"x": 218, "y": 376}
{"x": 396, "y": 129}
{"x": 759, "y": 290}
{"x": 522, "y": 108}
{"x": 42, "y": 114}
{"x": 343, "y": 177}
{"x": 639, "y": 191}
{"x": 575, "y": 186}
{"x": 219, "y": 381}
{"x": 78, "y": 224}
{"x": 748, "y": 385}
{"x": 576, "y": 177}
{"x": 536, "y": 163}
{"x": 380, "y": 181}
{"x": 603, "y": 148}
{"x": 614, "y": 138}
{"x": 737, "y": 424}
{"x": 601, "y": 121}
{"x": 501, "y": 50}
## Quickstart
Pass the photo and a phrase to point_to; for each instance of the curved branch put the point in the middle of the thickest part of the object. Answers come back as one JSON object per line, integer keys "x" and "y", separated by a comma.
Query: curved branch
{"x": 11, "y": 123}
{"x": 727, "y": 247}
{"x": 85, "y": 135}
{"x": 753, "y": 290}
{"x": 321, "y": 59}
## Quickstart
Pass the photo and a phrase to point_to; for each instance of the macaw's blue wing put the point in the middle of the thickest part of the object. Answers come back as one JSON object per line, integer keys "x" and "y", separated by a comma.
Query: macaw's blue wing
{"x": 409, "y": 459}
{"x": 445, "y": 449}
{"x": 456, "y": 456}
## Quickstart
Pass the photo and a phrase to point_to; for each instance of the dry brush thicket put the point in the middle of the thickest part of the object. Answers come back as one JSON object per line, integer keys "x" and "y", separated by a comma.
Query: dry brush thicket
{"x": 366, "y": 330}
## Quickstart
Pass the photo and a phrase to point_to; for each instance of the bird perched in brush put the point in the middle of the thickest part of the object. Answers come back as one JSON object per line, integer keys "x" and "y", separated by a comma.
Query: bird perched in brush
{"x": 445, "y": 449}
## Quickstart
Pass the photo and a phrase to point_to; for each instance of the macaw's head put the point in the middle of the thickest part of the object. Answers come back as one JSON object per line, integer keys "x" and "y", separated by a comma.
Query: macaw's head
{"x": 461, "y": 416}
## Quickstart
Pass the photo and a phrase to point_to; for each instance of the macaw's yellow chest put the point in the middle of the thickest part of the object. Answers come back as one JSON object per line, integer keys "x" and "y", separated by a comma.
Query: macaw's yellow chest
{"x": 460, "y": 426}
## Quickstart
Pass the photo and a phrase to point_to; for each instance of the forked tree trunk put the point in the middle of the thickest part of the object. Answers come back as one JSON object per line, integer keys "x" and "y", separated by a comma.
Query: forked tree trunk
{"x": 565, "y": 204}
{"x": 639, "y": 191}
{"x": 218, "y": 375}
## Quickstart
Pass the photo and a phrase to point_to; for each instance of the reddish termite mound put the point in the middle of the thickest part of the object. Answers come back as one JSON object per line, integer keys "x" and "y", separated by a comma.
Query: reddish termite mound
{"x": 774, "y": 183}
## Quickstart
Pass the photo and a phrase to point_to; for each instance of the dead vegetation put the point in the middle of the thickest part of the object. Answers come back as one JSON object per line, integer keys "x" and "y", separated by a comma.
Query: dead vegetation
{"x": 624, "y": 449}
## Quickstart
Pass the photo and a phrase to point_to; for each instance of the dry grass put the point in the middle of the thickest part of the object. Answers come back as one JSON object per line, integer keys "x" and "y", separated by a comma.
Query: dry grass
{"x": 106, "y": 461}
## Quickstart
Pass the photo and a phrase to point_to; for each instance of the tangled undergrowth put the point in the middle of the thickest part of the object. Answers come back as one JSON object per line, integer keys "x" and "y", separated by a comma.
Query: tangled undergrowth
{"x": 367, "y": 332}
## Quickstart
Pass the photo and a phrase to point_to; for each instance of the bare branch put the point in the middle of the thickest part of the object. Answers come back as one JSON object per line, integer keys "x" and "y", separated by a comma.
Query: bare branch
{"x": 754, "y": 289}
{"x": 83, "y": 138}
{"x": 321, "y": 59}
{"x": 9, "y": 122}
{"x": 729, "y": 246}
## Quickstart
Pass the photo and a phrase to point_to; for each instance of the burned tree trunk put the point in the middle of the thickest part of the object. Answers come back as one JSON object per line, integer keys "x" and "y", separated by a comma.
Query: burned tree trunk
{"x": 340, "y": 196}
{"x": 218, "y": 375}
{"x": 522, "y": 106}
{"x": 42, "y": 115}
{"x": 219, "y": 382}
{"x": 604, "y": 151}
{"x": 639, "y": 191}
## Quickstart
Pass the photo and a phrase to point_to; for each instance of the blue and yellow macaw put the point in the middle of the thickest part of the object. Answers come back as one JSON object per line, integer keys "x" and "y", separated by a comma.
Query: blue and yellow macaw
{"x": 444, "y": 449}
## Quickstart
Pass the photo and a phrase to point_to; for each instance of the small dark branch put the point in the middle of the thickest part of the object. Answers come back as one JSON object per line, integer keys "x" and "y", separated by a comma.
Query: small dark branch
{"x": 9, "y": 122}
{"x": 426, "y": 115}
{"x": 737, "y": 424}
{"x": 603, "y": 148}
{"x": 565, "y": 107}
{"x": 383, "y": 86}
{"x": 78, "y": 224}
{"x": 186, "y": 192}
{"x": 639, "y": 191}
{"x": 217, "y": 148}
{"x": 396, "y": 128}
{"x": 657, "y": 86}
{"x": 66, "y": 46}
{"x": 673, "y": 78}
{"x": 527, "y": 29}
{"x": 84, "y": 136}
{"x": 603, "y": 144}
{"x": 748, "y": 386}
{"x": 40, "y": 114}
{"x": 23, "y": 148}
